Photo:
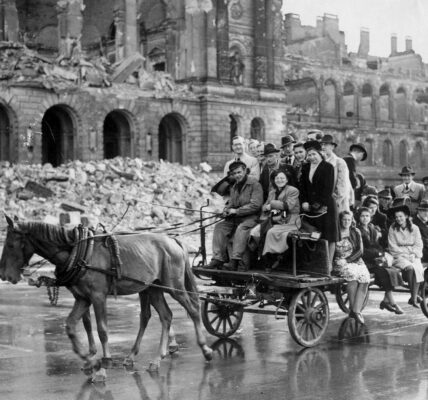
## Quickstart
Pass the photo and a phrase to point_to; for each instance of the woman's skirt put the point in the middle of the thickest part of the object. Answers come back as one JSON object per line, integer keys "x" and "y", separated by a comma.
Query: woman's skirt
{"x": 403, "y": 263}
{"x": 276, "y": 237}
{"x": 355, "y": 271}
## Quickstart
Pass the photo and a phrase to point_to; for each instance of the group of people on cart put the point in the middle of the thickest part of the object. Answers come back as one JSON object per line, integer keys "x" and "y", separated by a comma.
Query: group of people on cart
{"x": 306, "y": 186}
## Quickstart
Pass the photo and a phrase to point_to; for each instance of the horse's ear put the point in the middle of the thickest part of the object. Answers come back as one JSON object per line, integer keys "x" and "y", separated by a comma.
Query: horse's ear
{"x": 9, "y": 221}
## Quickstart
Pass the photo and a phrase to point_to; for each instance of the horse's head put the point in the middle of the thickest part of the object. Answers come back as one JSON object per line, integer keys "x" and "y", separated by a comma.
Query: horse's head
{"x": 17, "y": 251}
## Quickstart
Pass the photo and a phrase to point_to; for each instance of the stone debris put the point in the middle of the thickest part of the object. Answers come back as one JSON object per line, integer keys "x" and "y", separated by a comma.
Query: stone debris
{"x": 122, "y": 194}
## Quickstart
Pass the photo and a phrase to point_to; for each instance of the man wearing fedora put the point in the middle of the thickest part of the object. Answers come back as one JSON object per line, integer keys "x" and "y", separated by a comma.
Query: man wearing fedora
{"x": 409, "y": 188}
{"x": 421, "y": 221}
{"x": 385, "y": 199}
{"x": 342, "y": 185}
{"x": 241, "y": 214}
{"x": 287, "y": 150}
{"x": 240, "y": 155}
{"x": 272, "y": 163}
{"x": 357, "y": 153}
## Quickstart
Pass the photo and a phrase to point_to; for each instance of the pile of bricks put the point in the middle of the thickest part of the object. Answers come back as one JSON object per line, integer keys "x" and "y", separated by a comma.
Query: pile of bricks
{"x": 122, "y": 194}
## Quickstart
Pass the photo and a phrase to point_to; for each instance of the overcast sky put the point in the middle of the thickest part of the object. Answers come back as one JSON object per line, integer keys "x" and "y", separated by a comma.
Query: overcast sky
{"x": 382, "y": 17}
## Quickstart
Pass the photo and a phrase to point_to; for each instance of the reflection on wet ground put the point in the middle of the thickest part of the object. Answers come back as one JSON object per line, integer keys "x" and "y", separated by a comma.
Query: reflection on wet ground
{"x": 385, "y": 359}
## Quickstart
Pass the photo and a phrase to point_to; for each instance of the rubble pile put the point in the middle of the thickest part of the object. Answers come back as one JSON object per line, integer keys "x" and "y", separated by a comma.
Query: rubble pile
{"x": 122, "y": 194}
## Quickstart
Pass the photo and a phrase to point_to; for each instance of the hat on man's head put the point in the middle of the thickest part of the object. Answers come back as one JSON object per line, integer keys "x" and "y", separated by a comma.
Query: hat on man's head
{"x": 270, "y": 148}
{"x": 423, "y": 205}
{"x": 424, "y": 179}
{"x": 328, "y": 139}
{"x": 407, "y": 170}
{"x": 237, "y": 164}
{"x": 369, "y": 191}
{"x": 385, "y": 194}
{"x": 312, "y": 145}
{"x": 286, "y": 140}
{"x": 359, "y": 147}
{"x": 370, "y": 199}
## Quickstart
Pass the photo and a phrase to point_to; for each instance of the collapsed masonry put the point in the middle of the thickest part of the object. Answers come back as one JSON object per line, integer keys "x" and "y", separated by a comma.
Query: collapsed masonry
{"x": 124, "y": 194}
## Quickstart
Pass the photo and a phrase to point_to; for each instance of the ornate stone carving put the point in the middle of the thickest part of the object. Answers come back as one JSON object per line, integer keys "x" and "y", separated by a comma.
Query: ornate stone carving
{"x": 236, "y": 10}
{"x": 261, "y": 71}
{"x": 237, "y": 68}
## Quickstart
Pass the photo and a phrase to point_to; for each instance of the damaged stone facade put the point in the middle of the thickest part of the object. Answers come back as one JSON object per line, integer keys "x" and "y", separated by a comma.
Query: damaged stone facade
{"x": 176, "y": 79}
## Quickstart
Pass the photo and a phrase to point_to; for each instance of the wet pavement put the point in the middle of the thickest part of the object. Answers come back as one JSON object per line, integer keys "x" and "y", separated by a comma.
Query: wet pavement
{"x": 385, "y": 359}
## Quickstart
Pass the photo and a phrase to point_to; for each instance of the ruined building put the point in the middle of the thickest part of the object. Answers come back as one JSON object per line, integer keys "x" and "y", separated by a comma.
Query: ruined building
{"x": 176, "y": 79}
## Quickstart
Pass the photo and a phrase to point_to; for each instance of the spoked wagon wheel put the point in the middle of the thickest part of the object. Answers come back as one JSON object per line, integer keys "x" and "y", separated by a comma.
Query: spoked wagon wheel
{"x": 308, "y": 316}
{"x": 343, "y": 300}
{"x": 221, "y": 319}
{"x": 424, "y": 295}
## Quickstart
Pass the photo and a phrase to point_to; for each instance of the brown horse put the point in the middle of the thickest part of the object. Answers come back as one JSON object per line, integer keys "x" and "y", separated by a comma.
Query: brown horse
{"x": 147, "y": 258}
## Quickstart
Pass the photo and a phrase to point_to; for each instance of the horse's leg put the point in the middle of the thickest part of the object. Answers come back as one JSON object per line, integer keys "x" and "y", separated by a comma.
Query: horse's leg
{"x": 157, "y": 300}
{"x": 100, "y": 309}
{"x": 88, "y": 328}
{"x": 173, "y": 345}
{"x": 145, "y": 315}
{"x": 80, "y": 307}
{"x": 190, "y": 302}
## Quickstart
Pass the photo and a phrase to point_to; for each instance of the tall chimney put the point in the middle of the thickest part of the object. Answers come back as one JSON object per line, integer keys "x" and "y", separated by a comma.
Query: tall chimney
{"x": 363, "y": 50}
{"x": 408, "y": 43}
{"x": 393, "y": 44}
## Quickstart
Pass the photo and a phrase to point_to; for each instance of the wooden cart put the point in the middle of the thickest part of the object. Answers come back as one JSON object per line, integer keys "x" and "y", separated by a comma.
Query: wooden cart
{"x": 296, "y": 290}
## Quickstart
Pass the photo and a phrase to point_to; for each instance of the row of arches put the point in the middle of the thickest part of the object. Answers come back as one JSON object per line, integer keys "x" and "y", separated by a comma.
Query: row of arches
{"x": 405, "y": 155}
{"x": 365, "y": 102}
{"x": 257, "y": 127}
{"x": 58, "y": 141}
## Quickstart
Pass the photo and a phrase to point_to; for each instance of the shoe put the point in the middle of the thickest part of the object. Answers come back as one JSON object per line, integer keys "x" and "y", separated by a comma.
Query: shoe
{"x": 214, "y": 264}
{"x": 385, "y": 305}
{"x": 357, "y": 316}
{"x": 397, "y": 309}
{"x": 232, "y": 265}
{"x": 413, "y": 303}
{"x": 242, "y": 267}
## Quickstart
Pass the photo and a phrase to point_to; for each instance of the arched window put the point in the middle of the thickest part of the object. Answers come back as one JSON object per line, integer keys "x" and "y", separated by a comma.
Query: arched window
{"x": 369, "y": 148}
{"x": 404, "y": 153}
{"x": 384, "y": 103}
{"x": 418, "y": 158}
{"x": 234, "y": 125}
{"x": 257, "y": 129}
{"x": 348, "y": 100}
{"x": 388, "y": 154}
{"x": 366, "y": 111}
{"x": 329, "y": 100}
{"x": 401, "y": 105}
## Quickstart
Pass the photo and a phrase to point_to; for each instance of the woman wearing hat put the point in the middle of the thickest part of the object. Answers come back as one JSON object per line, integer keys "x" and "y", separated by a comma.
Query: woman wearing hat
{"x": 342, "y": 184}
{"x": 316, "y": 195}
{"x": 405, "y": 245}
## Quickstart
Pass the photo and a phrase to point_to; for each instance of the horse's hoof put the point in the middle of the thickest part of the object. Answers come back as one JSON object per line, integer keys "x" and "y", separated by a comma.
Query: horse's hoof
{"x": 208, "y": 354}
{"x": 154, "y": 366}
{"x": 106, "y": 363}
{"x": 128, "y": 362}
{"x": 99, "y": 376}
{"x": 173, "y": 348}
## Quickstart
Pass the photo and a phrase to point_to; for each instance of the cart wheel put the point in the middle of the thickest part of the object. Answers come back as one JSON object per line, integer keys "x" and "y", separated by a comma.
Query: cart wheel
{"x": 424, "y": 295}
{"x": 308, "y": 316}
{"x": 343, "y": 300}
{"x": 221, "y": 319}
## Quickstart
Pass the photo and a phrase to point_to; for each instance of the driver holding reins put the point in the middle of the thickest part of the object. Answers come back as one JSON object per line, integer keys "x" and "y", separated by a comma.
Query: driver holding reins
{"x": 241, "y": 214}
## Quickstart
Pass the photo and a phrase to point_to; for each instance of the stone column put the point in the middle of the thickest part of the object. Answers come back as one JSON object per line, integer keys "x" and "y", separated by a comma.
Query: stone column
{"x": 223, "y": 63}
{"x": 9, "y": 22}
{"x": 274, "y": 49}
{"x": 211, "y": 43}
{"x": 70, "y": 25}
{"x": 125, "y": 20}
{"x": 119, "y": 15}
{"x": 260, "y": 45}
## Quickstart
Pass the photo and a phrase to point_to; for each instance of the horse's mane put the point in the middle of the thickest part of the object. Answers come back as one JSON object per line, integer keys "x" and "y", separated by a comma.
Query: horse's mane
{"x": 48, "y": 232}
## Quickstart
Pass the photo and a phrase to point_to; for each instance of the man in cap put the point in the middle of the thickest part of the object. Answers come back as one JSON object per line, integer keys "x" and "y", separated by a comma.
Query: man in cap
{"x": 287, "y": 150}
{"x": 272, "y": 163}
{"x": 421, "y": 221}
{"x": 409, "y": 188}
{"x": 357, "y": 153}
{"x": 385, "y": 199}
{"x": 342, "y": 184}
{"x": 241, "y": 214}
{"x": 240, "y": 155}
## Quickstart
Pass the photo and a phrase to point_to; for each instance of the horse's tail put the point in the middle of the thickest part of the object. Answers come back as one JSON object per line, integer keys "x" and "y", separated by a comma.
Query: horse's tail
{"x": 189, "y": 278}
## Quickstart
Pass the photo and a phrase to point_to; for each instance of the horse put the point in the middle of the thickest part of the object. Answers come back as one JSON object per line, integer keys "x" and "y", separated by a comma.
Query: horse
{"x": 152, "y": 263}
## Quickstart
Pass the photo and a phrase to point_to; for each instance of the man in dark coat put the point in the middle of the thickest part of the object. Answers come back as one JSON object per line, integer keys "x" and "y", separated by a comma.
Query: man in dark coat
{"x": 241, "y": 215}
{"x": 272, "y": 163}
{"x": 357, "y": 152}
{"x": 421, "y": 221}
